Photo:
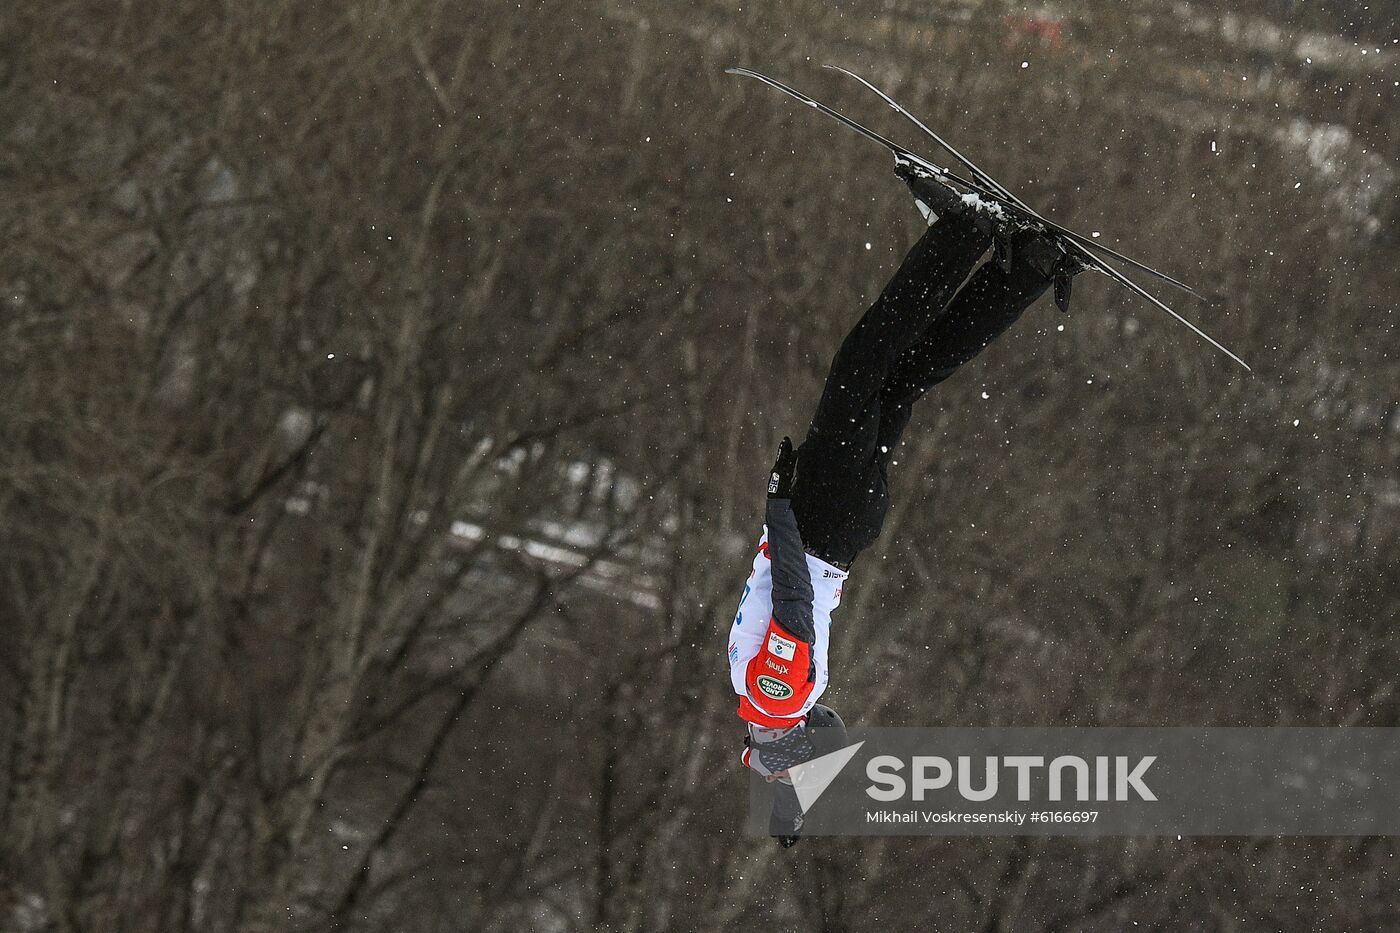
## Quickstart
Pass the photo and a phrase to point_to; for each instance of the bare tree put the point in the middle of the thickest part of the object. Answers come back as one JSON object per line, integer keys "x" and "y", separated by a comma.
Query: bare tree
{"x": 384, "y": 393}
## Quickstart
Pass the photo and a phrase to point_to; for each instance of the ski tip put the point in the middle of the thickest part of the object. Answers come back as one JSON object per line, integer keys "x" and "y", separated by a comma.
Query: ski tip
{"x": 848, "y": 72}
{"x": 883, "y": 96}
{"x": 1202, "y": 297}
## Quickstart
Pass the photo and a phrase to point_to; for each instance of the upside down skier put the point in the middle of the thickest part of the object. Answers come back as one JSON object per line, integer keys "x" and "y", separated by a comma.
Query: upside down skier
{"x": 827, "y": 499}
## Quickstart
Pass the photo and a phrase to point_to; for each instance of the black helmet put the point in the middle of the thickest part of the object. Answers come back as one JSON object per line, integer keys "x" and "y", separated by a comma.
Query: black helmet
{"x": 827, "y": 729}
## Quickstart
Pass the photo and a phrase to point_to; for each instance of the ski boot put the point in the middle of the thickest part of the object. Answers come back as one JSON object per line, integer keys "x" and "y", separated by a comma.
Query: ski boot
{"x": 932, "y": 197}
{"x": 936, "y": 198}
{"x": 1051, "y": 256}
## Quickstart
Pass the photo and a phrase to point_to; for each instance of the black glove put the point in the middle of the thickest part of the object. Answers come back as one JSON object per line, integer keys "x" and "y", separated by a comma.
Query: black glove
{"x": 784, "y": 471}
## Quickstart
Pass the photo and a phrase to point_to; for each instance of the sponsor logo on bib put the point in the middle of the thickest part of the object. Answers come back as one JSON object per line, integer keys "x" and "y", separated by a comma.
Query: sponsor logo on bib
{"x": 781, "y": 647}
{"x": 773, "y": 688}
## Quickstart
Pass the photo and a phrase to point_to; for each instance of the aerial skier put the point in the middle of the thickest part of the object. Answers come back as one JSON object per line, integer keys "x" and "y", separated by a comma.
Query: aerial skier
{"x": 827, "y": 498}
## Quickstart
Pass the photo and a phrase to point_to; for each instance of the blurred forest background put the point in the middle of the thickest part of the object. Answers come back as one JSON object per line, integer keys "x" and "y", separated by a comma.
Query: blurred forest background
{"x": 386, "y": 390}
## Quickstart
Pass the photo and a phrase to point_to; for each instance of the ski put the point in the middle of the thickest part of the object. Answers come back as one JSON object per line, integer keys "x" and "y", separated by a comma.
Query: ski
{"x": 1083, "y": 241}
{"x": 988, "y": 187}
{"x": 836, "y": 115}
{"x": 991, "y": 192}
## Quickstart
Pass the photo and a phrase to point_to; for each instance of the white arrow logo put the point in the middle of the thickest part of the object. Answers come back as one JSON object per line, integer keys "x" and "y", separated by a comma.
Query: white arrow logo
{"x": 811, "y": 778}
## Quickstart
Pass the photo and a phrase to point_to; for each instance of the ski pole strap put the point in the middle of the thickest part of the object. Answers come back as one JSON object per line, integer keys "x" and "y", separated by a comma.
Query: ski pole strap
{"x": 1001, "y": 250}
{"x": 1064, "y": 272}
{"x": 1063, "y": 282}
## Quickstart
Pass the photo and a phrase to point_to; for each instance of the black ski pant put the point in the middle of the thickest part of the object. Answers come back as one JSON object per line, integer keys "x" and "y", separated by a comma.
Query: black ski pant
{"x": 915, "y": 335}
